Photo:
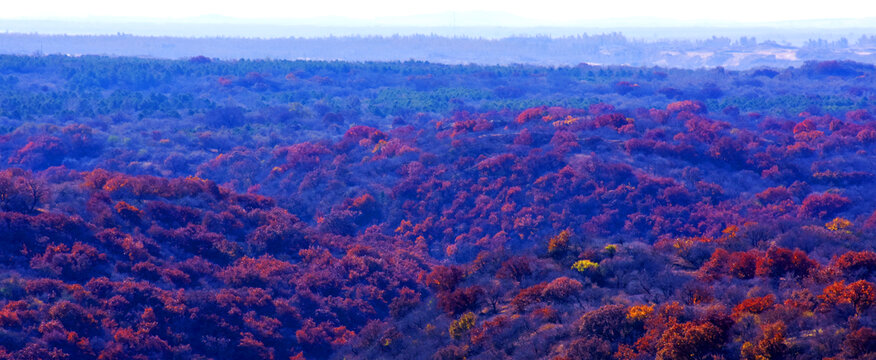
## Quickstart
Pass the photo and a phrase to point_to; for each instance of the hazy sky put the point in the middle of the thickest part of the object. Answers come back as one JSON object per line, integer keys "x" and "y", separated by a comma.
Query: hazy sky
{"x": 543, "y": 12}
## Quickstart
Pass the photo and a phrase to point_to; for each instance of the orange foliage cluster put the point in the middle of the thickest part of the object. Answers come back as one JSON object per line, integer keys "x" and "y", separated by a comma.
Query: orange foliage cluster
{"x": 861, "y": 294}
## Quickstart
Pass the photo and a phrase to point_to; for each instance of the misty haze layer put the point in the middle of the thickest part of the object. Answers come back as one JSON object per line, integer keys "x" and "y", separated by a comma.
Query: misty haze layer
{"x": 607, "y": 49}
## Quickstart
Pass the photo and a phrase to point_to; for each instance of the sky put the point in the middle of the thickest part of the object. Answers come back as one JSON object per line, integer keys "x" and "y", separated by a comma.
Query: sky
{"x": 528, "y": 13}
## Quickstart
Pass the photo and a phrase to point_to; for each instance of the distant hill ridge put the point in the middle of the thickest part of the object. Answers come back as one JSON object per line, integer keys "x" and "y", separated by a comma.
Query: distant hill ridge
{"x": 606, "y": 49}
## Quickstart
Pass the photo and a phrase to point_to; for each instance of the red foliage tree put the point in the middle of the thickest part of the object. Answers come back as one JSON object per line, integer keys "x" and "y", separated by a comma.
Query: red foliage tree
{"x": 20, "y": 191}
{"x": 856, "y": 262}
{"x": 861, "y": 294}
{"x": 76, "y": 262}
{"x": 755, "y": 305}
{"x": 262, "y": 271}
{"x": 771, "y": 345}
{"x": 859, "y": 343}
{"x": 608, "y": 322}
{"x": 741, "y": 265}
{"x": 690, "y": 341}
{"x": 444, "y": 278}
{"x": 780, "y": 261}
{"x": 406, "y": 300}
{"x": 589, "y": 349}
{"x": 460, "y": 300}
{"x": 516, "y": 268}
{"x": 530, "y": 114}
{"x": 774, "y": 195}
{"x": 563, "y": 289}
{"x": 41, "y": 151}
{"x": 693, "y": 106}
{"x": 824, "y": 205}
{"x": 528, "y": 296}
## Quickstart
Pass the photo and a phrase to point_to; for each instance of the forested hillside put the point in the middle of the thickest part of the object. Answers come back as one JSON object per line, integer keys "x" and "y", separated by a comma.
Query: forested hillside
{"x": 204, "y": 209}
